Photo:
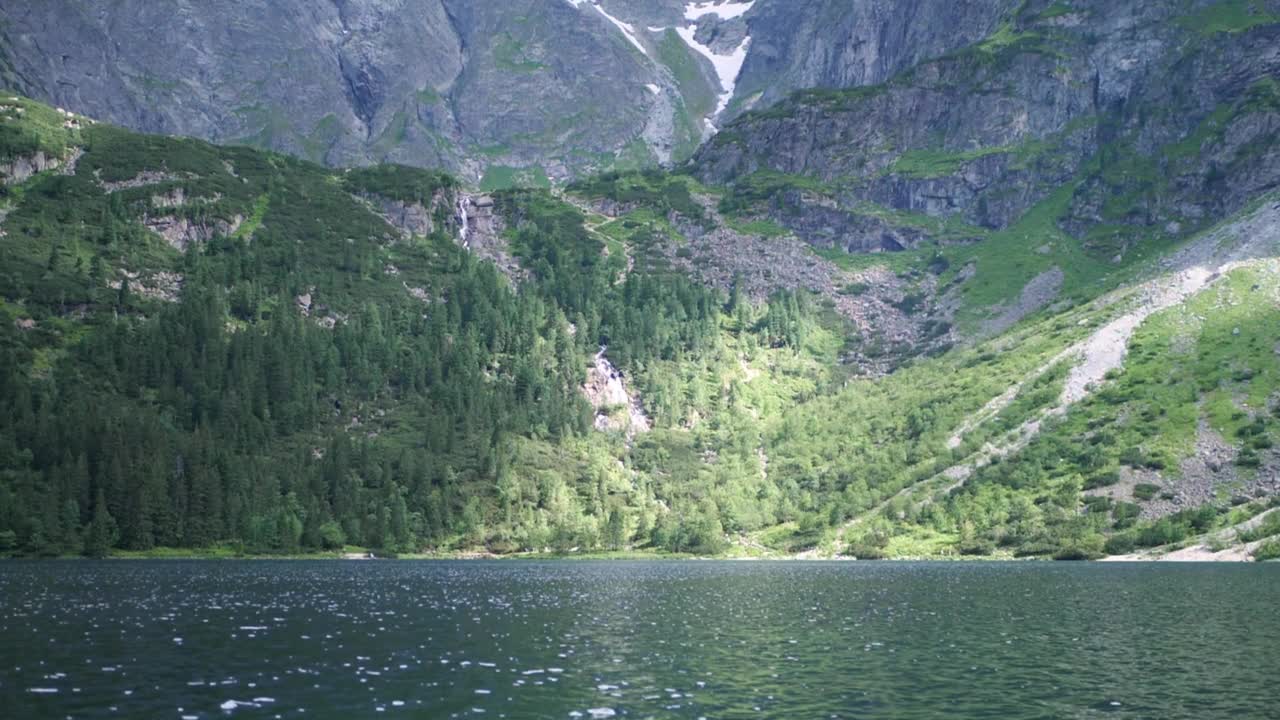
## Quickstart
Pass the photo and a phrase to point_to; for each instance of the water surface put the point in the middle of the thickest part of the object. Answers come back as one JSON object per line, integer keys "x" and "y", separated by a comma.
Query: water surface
{"x": 266, "y": 639}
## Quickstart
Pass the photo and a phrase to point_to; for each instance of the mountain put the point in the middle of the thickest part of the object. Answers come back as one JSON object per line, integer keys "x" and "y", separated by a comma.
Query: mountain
{"x": 1111, "y": 130}
{"x": 511, "y": 91}
{"x": 1011, "y": 288}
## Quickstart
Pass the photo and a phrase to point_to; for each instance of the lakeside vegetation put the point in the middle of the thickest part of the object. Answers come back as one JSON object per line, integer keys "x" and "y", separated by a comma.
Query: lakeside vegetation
{"x": 315, "y": 380}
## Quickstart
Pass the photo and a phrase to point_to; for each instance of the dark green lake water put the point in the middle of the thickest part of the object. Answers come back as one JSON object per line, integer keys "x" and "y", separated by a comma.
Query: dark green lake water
{"x": 637, "y": 639}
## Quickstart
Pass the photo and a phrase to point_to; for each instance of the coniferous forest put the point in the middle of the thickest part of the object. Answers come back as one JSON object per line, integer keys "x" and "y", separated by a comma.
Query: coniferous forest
{"x": 226, "y": 413}
{"x": 226, "y": 350}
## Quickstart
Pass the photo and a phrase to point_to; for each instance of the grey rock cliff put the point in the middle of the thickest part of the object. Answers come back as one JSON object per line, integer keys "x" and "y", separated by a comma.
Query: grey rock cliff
{"x": 463, "y": 84}
{"x": 456, "y": 83}
{"x": 1159, "y": 115}
{"x": 841, "y": 43}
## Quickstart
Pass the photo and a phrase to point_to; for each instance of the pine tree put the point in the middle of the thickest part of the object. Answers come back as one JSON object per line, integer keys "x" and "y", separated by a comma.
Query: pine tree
{"x": 616, "y": 530}
{"x": 123, "y": 297}
{"x": 70, "y": 527}
{"x": 102, "y": 533}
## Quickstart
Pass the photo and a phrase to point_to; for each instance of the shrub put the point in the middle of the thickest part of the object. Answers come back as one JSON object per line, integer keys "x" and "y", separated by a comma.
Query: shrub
{"x": 934, "y": 329}
{"x": 1075, "y": 553}
{"x": 1121, "y": 544}
{"x": 1257, "y": 427}
{"x": 1145, "y": 491}
{"x": 1133, "y": 457}
{"x": 911, "y": 303}
{"x": 1125, "y": 514}
{"x": 1267, "y": 551}
{"x": 331, "y": 536}
{"x": 1162, "y": 532}
{"x": 1200, "y": 520}
{"x": 1036, "y": 549}
{"x": 863, "y": 551}
{"x": 1105, "y": 478}
{"x": 1268, "y": 527}
{"x": 1099, "y": 503}
{"x": 977, "y": 547}
{"x": 1102, "y": 438}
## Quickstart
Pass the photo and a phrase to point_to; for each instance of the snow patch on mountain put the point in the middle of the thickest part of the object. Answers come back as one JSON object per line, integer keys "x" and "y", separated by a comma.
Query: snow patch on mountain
{"x": 627, "y": 30}
{"x": 727, "y": 67}
{"x": 727, "y": 11}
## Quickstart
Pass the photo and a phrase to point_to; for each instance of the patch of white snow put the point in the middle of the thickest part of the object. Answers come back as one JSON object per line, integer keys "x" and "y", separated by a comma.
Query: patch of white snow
{"x": 727, "y": 67}
{"x": 727, "y": 11}
{"x": 627, "y": 30}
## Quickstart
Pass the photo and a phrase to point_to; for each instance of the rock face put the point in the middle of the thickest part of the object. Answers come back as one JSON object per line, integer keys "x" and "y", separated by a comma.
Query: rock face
{"x": 410, "y": 218}
{"x": 842, "y": 43}
{"x": 1161, "y": 114}
{"x": 182, "y": 233}
{"x": 1158, "y": 115}
{"x": 462, "y": 84}
{"x": 20, "y": 169}
{"x": 480, "y": 231}
{"x": 569, "y": 86}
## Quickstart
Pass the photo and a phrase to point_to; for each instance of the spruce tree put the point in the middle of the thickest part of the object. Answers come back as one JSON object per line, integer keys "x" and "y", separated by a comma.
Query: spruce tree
{"x": 102, "y": 533}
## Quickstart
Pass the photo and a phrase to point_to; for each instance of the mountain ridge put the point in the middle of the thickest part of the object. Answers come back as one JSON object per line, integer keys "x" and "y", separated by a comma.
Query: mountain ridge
{"x": 545, "y": 86}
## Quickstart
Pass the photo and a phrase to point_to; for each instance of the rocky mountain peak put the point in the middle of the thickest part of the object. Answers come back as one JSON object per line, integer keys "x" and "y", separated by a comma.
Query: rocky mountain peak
{"x": 518, "y": 90}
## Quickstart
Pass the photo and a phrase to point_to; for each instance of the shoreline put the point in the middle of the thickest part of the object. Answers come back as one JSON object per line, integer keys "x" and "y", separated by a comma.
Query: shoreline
{"x": 1188, "y": 555}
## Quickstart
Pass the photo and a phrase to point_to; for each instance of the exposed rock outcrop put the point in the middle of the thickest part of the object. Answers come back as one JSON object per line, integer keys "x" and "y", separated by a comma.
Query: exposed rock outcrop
{"x": 20, "y": 169}
{"x": 182, "y": 233}
{"x": 617, "y": 407}
{"x": 178, "y": 197}
{"x": 409, "y": 218}
{"x": 142, "y": 179}
{"x": 163, "y": 285}
{"x": 480, "y": 231}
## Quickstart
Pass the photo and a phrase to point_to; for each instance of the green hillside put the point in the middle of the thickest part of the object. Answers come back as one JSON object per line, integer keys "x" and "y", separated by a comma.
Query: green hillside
{"x": 205, "y": 347}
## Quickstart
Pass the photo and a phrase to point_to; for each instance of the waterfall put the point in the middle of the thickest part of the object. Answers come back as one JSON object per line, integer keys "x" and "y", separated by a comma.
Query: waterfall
{"x": 463, "y": 220}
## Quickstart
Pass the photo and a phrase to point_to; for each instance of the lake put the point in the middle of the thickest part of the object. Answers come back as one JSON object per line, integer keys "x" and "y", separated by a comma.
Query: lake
{"x": 638, "y": 639}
